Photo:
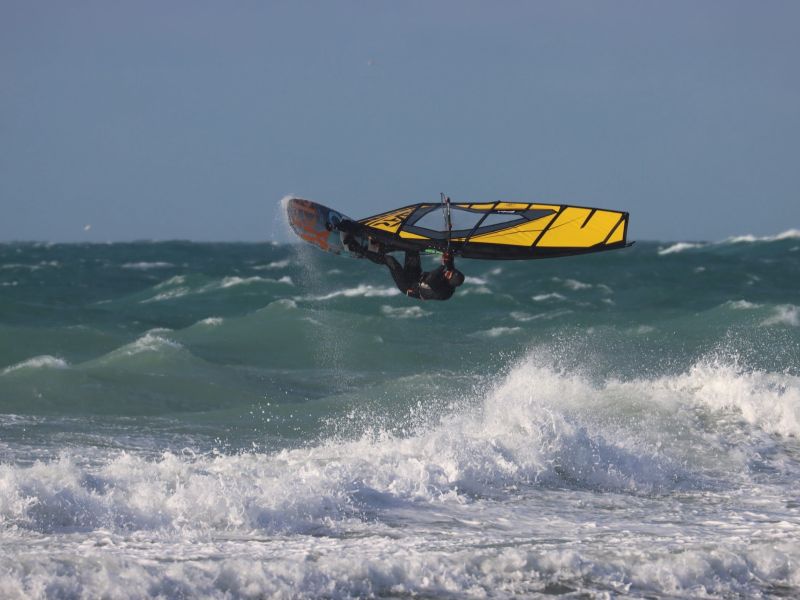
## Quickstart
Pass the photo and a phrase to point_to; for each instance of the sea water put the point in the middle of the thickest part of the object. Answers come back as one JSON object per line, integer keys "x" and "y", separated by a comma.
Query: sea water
{"x": 263, "y": 420}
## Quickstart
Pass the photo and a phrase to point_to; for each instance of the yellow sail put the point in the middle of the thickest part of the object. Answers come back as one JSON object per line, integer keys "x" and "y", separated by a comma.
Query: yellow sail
{"x": 501, "y": 230}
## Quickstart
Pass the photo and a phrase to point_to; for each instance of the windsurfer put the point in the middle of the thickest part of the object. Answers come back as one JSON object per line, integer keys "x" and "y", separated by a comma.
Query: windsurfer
{"x": 437, "y": 284}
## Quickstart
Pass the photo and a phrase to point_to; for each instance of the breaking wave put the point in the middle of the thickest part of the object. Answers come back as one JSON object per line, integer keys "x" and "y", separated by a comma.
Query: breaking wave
{"x": 536, "y": 426}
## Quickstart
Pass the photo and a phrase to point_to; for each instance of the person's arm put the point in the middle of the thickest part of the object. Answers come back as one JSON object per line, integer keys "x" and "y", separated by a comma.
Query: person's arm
{"x": 448, "y": 260}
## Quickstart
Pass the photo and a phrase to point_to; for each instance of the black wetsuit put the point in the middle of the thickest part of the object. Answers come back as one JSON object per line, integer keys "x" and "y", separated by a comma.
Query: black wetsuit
{"x": 410, "y": 278}
{"x": 414, "y": 283}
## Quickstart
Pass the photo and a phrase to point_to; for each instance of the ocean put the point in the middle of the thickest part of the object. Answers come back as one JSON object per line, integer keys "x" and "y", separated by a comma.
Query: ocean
{"x": 243, "y": 420}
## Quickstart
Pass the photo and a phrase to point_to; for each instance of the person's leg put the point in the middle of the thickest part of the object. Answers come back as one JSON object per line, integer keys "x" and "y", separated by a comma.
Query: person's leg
{"x": 397, "y": 272}
{"x": 412, "y": 267}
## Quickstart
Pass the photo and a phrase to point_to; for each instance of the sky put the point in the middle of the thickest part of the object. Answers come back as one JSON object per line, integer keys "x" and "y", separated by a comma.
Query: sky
{"x": 190, "y": 120}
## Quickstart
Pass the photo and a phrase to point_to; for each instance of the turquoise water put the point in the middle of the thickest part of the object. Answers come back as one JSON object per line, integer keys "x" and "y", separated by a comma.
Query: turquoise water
{"x": 257, "y": 420}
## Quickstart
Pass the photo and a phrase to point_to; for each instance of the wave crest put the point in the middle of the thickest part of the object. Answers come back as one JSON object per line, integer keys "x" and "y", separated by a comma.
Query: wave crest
{"x": 38, "y": 362}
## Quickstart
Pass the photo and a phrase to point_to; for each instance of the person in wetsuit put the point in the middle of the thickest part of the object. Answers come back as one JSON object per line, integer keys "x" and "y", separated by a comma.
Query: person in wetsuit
{"x": 438, "y": 284}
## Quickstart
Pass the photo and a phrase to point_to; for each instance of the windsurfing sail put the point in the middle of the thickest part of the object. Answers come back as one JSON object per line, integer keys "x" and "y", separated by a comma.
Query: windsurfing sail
{"x": 500, "y": 230}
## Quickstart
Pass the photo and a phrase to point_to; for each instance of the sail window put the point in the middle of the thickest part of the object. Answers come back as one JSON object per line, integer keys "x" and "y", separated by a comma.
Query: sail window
{"x": 500, "y": 218}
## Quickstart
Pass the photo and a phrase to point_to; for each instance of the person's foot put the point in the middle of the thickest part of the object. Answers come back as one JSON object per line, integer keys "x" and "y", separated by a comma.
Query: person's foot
{"x": 352, "y": 245}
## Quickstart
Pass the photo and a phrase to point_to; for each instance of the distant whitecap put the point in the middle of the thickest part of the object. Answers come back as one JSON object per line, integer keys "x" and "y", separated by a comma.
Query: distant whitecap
{"x": 741, "y": 304}
{"x": 789, "y": 234}
{"x": 38, "y": 362}
{"x": 145, "y": 266}
{"x": 212, "y": 321}
{"x": 277, "y": 264}
{"x": 550, "y": 296}
{"x": 495, "y": 332}
{"x": 366, "y": 290}
{"x": 679, "y": 247}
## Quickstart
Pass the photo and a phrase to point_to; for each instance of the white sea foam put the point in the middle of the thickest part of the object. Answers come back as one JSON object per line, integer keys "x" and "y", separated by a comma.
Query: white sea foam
{"x": 284, "y": 303}
{"x": 785, "y": 314}
{"x": 224, "y": 283}
{"x": 404, "y": 312}
{"x": 363, "y": 289}
{"x": 178, "y": 292}
{"x": 475, "y": 280}
{"x": 535, "y": 425}
{"x": 31, "y": 267}
{"x": 149, "y": 342}
{"x": 174, "y": 280}
{"x": 277, "y": 264}
{"x": 679, "y": 247}
{"x": 479, "y": 290}
{"x": 550, "y": 296}
{"x": 212, "y": 321}
{"x": 233, "y": 281}
{"x": 495, "y": 332}
{"x": 228, "y": 282}
{"x": 390, "y": 566}
{"x": 20, "y": 266}
{"x": 552, "y": 482}
{"x": 524, "y": 317}
{"x": 44, "y": 361}
{"x": 741, "y": 305}
{"x": 146, "y": 266}
{"x": 769, "y": 401}
{"x": 522, "y": 433}
{"x": 789, "y": 234}
{"x": 574, "y": 284}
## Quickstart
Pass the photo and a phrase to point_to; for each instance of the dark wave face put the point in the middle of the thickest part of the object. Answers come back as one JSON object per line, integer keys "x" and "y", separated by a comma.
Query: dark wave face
{"x": 262, "y": 420}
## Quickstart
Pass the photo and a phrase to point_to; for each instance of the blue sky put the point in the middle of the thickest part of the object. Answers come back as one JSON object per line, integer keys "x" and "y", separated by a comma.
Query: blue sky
{"x": 190, "y": 120}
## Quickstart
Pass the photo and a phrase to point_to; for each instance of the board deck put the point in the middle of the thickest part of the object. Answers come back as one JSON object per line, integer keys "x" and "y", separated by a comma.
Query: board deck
{"x": 317, "y": 224}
